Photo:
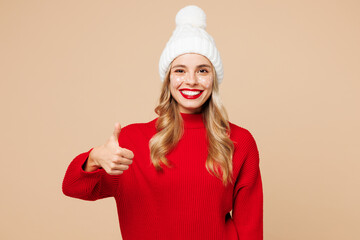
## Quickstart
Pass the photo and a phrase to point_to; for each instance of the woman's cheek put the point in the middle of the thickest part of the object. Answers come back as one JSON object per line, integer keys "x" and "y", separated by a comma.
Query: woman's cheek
{"x": 176, "y": 80}
{"x": 205, "y": 81}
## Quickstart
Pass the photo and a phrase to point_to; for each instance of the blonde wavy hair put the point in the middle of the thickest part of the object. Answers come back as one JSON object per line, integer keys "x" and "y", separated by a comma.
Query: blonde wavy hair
{"x": 170, "y": 129}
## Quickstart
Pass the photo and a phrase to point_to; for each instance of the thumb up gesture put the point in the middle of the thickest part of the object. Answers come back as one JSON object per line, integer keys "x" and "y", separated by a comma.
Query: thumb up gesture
{"x": 110, "y": 156}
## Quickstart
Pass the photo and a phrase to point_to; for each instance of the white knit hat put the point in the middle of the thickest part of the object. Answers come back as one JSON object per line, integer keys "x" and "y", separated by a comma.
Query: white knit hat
{"x": 190, "y": 36}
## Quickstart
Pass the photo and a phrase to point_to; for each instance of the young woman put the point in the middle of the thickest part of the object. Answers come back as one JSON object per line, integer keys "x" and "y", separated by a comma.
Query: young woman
{"x": 180, "y": 175}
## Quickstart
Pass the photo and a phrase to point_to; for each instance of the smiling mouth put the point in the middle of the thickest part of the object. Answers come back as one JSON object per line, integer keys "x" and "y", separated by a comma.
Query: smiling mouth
{"x": 190, "y": 94}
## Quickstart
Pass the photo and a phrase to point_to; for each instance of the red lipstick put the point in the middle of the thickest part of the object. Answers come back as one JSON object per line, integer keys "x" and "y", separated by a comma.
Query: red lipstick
{"x": 191, "y": 96}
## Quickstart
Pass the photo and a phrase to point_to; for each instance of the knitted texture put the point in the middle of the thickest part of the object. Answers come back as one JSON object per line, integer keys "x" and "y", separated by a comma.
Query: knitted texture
{"x": 182, "y": 202}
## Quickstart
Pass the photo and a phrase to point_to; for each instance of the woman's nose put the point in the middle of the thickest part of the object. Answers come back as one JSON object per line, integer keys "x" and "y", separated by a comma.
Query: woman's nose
{"x": 191, "y": 79}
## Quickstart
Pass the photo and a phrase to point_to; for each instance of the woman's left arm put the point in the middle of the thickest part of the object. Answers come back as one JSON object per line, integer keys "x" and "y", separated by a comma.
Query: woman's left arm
{"x": 247, "y": 210}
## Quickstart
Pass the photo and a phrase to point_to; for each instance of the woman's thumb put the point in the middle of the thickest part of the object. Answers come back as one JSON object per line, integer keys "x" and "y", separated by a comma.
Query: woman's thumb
{"x": 117, "y": 130}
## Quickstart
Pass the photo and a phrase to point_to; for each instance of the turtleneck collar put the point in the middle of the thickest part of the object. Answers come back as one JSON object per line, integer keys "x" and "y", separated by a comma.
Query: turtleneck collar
{"x": 192, "y": 120}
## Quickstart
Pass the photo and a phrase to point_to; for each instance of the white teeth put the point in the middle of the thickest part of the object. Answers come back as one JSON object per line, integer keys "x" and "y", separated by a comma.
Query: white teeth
{"x": 191, "y": 93}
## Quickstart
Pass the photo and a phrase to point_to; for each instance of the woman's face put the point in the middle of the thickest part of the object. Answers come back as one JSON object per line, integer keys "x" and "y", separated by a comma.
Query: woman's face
{"x": 191, "y": 81}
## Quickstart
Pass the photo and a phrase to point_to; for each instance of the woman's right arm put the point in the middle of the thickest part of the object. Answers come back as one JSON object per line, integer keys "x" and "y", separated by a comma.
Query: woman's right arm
{"x": 87, "y": 185}
{"x": 94, "y": 174}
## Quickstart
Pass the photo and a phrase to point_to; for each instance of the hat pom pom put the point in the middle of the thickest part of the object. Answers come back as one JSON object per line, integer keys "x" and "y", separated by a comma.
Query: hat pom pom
{"x": 192, "y": 15}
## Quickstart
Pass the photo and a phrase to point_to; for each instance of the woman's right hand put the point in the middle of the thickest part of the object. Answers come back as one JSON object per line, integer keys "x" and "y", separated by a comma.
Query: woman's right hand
{"x": 110, "y": 156}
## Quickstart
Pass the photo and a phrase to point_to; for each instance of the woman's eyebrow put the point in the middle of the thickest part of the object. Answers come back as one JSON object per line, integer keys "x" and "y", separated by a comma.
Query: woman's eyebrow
{"x": 202, "y": 65}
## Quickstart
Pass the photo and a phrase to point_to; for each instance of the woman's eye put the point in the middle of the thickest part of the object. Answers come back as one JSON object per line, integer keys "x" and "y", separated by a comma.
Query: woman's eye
{"x": 203, "y": 71}
{"x": 179, "y": 70}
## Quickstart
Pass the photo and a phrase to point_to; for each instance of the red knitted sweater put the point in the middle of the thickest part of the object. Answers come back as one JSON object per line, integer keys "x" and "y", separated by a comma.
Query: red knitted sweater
{"x": 184, "y": 202}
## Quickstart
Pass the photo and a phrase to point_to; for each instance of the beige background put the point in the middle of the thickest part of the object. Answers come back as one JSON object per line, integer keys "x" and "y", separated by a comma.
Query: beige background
{"x": 70, "y": 69}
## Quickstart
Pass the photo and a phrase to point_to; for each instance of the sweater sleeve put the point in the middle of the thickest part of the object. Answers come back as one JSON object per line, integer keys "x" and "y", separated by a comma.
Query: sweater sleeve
{"x": 247, "y": 211}
{"x": 91, "y": 186}
{"x": 94, "y": 185}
